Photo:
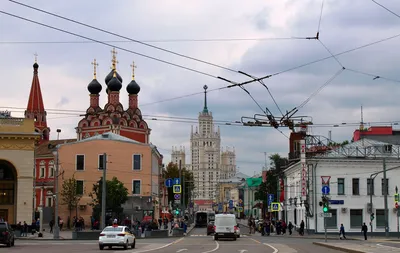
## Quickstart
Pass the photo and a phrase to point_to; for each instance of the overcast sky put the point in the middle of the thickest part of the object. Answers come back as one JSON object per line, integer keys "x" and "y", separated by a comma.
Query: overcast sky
{"x": 65, "y": 68}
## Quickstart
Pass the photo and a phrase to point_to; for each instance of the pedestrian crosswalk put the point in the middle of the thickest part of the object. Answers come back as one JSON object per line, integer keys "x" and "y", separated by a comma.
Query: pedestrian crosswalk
{"x": 204, "y": 235}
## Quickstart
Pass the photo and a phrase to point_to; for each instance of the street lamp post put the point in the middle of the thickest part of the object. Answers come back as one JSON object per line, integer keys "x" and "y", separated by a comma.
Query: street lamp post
{"x": 56, "y": 234}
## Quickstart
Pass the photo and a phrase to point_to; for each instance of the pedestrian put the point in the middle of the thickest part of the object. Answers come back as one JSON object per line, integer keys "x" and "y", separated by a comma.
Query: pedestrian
{"x": 290, "y": 227}
{"x": 342, "y": 234}
{"x": 51, "y": 224}
{"x": 24, "y": 229}
{"x": 364, "y": 229}
{"x": 301, "y": 228}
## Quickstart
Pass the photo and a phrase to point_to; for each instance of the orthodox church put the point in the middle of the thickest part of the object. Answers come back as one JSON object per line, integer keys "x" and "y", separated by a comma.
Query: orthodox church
{"x": 113, "y": 118}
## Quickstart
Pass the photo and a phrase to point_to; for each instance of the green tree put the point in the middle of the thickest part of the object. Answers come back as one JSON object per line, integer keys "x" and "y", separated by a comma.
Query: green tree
{"x": 117, "y": 194}
{"x": 172, "y": 171}
{"x": 69, "y": 196}
{"x": 270, "y": 186}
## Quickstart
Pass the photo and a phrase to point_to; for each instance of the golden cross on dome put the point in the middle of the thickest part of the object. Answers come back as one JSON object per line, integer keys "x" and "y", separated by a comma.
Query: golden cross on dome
{"x": 95, "y": 64}
{"x": 114, "y": 59}
{"x": 133, "y": 70}
{"x": 36, "y": 55}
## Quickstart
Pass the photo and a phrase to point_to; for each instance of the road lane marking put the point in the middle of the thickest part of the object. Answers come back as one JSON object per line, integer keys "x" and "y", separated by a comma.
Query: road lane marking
{"x": 216, "y": 248}
{"x": 255, "y": 240}
{"x": 181, "y": 250}
{"x": 161, "y": 247}
{"x": 243, "y": 250}
{"x": 272, "y": 247}
{"x": 387, "y": 246}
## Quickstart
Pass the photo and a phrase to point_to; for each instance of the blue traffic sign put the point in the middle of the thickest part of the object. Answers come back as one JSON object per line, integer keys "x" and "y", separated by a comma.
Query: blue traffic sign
{"x": 168, "y": 183}
{"x": 325, "y": 189}
{"x": 230, "y": 204}
{"x": 177, "y": 180}
{"x": 177, "y": 196}
{"x": 220, "y": 207}
{"x": 270, "y": 199}
{"x": 275, "y": 207}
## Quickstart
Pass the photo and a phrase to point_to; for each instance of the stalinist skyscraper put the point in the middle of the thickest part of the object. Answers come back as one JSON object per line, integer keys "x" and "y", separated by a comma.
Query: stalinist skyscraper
{"x": 209, "y": 163}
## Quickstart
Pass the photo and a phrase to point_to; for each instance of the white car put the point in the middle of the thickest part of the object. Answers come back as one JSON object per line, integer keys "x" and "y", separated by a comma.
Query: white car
{"x": 225, "y": 226}
{"x": 120, "y": 236}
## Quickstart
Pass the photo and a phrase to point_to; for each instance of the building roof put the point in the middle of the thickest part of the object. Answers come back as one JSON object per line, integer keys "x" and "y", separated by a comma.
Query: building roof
{"x": 46, "y": 148}
{"x": 238, "y": 178}
{"x": 114, "y": 137}
{"x": 365, "y": 148}
{"x": 35, "y": 102}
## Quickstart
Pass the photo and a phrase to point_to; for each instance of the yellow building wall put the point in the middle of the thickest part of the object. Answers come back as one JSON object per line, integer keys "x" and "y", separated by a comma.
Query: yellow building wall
{"x": 17, "y": 142}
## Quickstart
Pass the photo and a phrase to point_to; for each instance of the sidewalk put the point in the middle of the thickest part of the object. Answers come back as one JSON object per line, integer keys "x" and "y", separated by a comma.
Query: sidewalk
{"x": 67, "y": 235}
{"x": 357, "y": 248}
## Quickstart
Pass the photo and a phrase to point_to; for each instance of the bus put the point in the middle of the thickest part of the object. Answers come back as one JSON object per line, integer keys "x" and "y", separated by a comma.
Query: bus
{"x": 201, "y": 219}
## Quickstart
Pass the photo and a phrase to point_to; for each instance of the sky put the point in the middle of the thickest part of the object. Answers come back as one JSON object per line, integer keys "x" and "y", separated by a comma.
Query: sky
{"x": 256, "y": 37}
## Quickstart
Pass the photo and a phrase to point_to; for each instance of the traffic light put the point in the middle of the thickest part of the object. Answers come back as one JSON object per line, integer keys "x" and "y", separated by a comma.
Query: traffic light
{"x": 326, "y": 207}
{"x": 396, "y": 205}
{"x": 372, "y": 217}
{"x": 396, "y": 197}
{"x": 177, "y": 212}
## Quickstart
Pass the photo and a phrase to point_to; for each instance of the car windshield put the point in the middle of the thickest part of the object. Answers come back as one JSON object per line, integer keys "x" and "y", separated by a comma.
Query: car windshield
{"x": 225, "y": 221}
{"x": 3, "y": 227}
{"x": 113, "y": 229}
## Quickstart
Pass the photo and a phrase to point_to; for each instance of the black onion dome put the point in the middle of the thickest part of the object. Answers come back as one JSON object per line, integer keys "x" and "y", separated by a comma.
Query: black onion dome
{"x": 35, "y": 65}
{"x": 133, "y": 88}
{"x": 94, "y": 87}
{"x": 110, "y": 76}
{"x": 114, "y": 84}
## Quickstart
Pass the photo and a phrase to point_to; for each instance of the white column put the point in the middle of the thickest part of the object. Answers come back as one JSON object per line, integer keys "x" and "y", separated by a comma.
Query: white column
{"x": 41, "y": 197}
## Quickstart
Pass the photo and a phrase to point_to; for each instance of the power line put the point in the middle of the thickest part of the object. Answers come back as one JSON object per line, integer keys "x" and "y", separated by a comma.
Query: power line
{"x": 110, "y": 45}
{"x": 124, "y": 37}
{"x": 386, "y": 8}
{"x": 154, "y": 41}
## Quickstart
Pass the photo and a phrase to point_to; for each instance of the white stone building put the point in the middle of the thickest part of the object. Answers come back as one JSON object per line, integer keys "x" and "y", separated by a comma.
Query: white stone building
{"x": 179, "y": 154}
{"x": 209, "y": 163}
{"x": 349, "y": 168}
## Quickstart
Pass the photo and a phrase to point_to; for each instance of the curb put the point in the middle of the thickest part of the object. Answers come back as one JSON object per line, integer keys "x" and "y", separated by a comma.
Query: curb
{"x": 338, "y": 248}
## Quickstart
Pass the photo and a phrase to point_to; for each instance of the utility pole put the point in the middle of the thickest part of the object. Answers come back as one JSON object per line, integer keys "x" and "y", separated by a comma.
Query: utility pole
{"x": 56, "y": 234}
{"x": 180, "y": 179}
{"x": 104, "y": 192}
{"x": 385, "y": 199}
{"x": 398, "y": 211}
{"x": 183, "y": 192}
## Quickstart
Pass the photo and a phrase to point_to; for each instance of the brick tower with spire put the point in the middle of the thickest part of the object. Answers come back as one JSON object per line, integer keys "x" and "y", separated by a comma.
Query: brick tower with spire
{"x": 35, "y": 109}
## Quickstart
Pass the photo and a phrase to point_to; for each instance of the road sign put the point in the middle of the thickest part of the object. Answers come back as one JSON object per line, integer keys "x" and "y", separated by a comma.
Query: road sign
{"x": 396, "y": 198}
{"x": 177, "y": 196}
{"x": 177, "y": 189}
{"x": 325, "y": 189}
{"x": 177, "y": 201}
{"x": 168, "y": 182}
{"x": 275, "y": 207}
{"x": 177, "y": 181}
{"x": 325, "y": 179}
{"x": 230, "y": 204}
{"x": 240, "y": 209}
{"x": 270, "y": 199}
{"x": 326, "y": 215}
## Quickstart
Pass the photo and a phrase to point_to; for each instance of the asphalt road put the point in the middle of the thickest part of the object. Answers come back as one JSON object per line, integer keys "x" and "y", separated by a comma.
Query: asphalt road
{"x": 196, "y": 242}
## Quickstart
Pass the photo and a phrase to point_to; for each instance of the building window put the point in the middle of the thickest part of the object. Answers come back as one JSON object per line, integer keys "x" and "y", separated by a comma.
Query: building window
{"x": 51, "y": 171}
{"x": 356, "y": 186}
{"x": 356, "y": 218}
{"x": 380, "y": 218}
{"x": 136, "y": 185}
{"x": 80, "y": 162}
{"x": 100, "y": 162}
{"x": 385, "y": 190}
{"x": 79, "y": 187}
{"x": 137, "y": 162}
{"x": 49, "y": 202}
{"x": 332, "y": 222}
{"x": 42, "y": 172}
{"x": 340, "y": 188}
{"x": 370, "y": 186}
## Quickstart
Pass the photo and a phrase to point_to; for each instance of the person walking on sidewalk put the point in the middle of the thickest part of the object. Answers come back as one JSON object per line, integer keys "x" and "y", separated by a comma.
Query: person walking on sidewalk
{"x": 364, "y": 229}
{"x": 51, "y": 224}
{"x": 342, "y": 234}
{"x": 290, "y": 227}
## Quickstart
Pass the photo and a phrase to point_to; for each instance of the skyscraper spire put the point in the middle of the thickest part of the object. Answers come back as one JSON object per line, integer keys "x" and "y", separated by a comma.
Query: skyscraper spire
{"x": 205, "y": 109}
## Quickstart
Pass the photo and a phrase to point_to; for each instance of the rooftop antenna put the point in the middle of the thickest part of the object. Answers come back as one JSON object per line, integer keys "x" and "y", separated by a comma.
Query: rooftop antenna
{"x": 362, "y": 120}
